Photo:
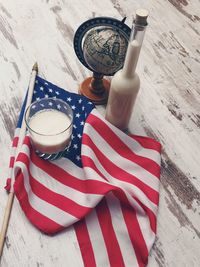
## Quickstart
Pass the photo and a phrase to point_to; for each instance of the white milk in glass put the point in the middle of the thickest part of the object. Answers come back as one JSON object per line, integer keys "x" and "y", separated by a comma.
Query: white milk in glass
{"x": 50, "y": 131}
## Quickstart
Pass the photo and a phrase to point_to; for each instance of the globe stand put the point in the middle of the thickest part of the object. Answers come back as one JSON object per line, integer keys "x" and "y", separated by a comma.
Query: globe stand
{"x": 95, "y": 88}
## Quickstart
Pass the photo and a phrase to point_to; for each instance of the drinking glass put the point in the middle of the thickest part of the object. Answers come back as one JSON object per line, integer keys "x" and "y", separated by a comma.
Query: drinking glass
{"x": 50, "y": 122}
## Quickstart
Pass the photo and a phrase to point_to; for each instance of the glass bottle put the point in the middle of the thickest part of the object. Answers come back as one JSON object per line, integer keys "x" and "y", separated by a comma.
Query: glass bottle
{"x": 125, "y": 83}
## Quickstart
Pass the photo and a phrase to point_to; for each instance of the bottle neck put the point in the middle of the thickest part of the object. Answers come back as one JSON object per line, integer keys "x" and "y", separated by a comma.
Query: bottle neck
{"x": 133, "y": 50}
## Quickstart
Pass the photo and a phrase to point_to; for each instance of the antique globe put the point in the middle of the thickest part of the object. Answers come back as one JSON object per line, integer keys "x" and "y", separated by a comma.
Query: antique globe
{"x": 104, "y": 50}
{"x": 101, "y": 45}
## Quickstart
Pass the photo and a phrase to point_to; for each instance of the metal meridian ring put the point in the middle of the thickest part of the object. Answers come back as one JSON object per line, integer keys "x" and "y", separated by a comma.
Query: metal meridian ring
{"x": 91, "y": 23}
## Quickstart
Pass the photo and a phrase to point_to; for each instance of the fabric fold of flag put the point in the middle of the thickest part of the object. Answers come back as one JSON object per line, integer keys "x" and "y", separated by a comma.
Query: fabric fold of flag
{"x": 106, "y": 186}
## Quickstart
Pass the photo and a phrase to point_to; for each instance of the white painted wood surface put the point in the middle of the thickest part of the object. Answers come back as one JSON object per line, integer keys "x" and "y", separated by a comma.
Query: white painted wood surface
{"x": 167, "y": 108}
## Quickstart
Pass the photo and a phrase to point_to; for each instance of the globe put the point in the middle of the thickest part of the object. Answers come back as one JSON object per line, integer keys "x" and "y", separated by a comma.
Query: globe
{"x": 100, "y": 44}
{"x": 104, "y": 50}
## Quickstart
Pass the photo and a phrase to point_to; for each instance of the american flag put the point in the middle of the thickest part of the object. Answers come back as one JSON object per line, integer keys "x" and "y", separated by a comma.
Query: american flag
{"x": 106, "y": 186}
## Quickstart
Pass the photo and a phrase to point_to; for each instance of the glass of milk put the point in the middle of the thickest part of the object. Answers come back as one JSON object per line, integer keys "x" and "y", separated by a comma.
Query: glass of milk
{"x": 50, "y": 122}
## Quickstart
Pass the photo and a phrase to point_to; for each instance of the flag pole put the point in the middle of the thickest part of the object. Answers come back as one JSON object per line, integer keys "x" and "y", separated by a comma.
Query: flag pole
{"x": 22, "y": 133}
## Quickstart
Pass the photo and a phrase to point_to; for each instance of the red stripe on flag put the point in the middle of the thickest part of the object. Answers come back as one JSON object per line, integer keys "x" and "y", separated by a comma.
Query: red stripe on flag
{"x": 147, "y": 142}
{"x": 112, "y": 245}
{"x": 85, "y": 243}
{"x": 120, "y": 147}
{"x": 88, "y": 162}
{"x": 62, "y": 202}
{"x": 136, "y": 236}
{"x": 84, "y": 186}
{"x": 119, "y": 173}
{"x": 118, "y": 192}
{"x": 12, "y": 161}
{"x": 42, "y": 222}
{"x": 15, "y": 141}
{"x": 151, "y": 215}
{"x": 8, "y": 185}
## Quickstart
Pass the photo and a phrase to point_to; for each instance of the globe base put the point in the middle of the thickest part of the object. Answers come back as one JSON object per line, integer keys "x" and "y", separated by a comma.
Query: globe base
{"x": 98, "y": 95}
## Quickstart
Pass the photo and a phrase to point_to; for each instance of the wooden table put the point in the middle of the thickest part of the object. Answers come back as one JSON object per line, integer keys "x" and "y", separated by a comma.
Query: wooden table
{"x": 167, "y": 108}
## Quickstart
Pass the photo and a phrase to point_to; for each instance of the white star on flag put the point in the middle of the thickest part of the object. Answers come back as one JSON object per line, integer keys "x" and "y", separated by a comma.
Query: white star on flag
{"x": 77, "y": 115}
{"x": 73, "y": 107}
{"x": 75, "y": 146}
{"x": 69, "y": 99}
{"x": 78, "y": 157}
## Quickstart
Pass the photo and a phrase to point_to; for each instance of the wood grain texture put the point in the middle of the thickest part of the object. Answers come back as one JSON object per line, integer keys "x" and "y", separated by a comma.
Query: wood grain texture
{"x": 167, "y": 108}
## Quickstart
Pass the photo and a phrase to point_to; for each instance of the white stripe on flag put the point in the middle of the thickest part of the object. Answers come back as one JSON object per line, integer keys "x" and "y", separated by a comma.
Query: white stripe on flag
{"x": 68, "y": 166}
{"x": 86, "y": 200}
{"x": 134, "y": 145}
{"x": 121, "y": 232}
{"x": 97, "y": 240}
{"x": 132, "y": 201}
{"x": 55, "y": 214}
{"x": 13, "y": 152}
{"x": 25, "y": 149}
{"x": 127, "y": 187}
{"x": 16, "y": 133}
{"x": 148, "y": 234}
{"x": 123, "y": 163}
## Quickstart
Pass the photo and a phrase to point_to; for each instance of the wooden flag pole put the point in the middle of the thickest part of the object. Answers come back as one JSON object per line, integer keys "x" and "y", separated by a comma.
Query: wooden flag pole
{"x": 22, "y": 133}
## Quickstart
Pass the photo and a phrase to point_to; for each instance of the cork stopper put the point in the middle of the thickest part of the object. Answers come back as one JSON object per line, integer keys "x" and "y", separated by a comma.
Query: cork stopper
{"x": 141, "y": 17}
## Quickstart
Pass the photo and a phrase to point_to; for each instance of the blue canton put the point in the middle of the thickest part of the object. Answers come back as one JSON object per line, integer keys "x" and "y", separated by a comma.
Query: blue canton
{"x": 80, "y": 105}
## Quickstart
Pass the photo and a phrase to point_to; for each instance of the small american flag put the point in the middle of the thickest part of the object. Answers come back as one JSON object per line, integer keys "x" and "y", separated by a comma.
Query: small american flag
{"x": 106, "y": 186}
